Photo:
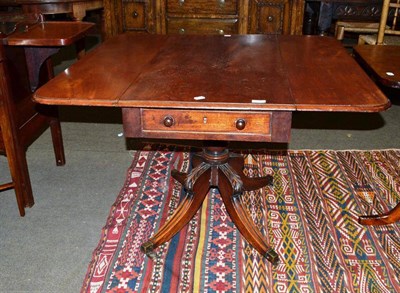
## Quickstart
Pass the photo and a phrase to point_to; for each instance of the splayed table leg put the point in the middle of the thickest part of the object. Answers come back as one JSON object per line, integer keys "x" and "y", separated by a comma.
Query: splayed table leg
{"x": 215, "y": 167}
{"x": 383, "y": 219}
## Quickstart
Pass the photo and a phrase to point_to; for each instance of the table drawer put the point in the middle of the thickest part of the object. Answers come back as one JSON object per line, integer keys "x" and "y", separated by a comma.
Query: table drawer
{"x": 202, "y": 6}
{"x": 205, "y": 121}
{"x": 207, "y": 125}
{"x": 201, "y": 26}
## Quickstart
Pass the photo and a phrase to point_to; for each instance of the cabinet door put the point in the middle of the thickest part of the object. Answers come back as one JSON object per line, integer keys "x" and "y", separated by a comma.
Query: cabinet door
{"x": 134, "y": 15}
{"x": 269, "y": 17}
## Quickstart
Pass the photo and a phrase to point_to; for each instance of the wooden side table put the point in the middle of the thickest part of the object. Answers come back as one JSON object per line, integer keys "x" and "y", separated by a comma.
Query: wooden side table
{"x": 383, "y": 63}
{"x": 23, "y": 49}
{"x": 76, "y": 8}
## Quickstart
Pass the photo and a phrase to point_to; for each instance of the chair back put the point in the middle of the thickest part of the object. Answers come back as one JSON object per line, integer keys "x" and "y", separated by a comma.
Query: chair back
{"x": 389, "y": 24}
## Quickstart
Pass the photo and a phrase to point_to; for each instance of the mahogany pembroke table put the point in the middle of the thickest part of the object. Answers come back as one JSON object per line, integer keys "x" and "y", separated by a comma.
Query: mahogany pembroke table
{"x": 215, "y": 89}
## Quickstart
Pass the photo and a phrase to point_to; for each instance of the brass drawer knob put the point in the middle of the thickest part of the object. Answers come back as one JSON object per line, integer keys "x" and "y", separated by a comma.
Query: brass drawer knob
{"x": 240, "y": 124}
{"x": 270, "y": 18}
{"x": 135, "y": 14}
{"x": 221, "y": 2}
{"x": 221, "y": 32}
{"x": 182, "y": 31}
{"x": 181, "y": 2}
{"x": 168, "y": 121}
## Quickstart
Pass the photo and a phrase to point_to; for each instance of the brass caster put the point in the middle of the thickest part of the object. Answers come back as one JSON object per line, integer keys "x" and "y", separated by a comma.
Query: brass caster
{"x": 272, "y": 256}
{"x": 270, "y": 180}
{"x": 148, "y": 249}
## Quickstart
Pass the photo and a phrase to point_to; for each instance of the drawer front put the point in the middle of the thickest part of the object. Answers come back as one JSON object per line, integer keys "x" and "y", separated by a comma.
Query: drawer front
{"x": 202, "y": 6}
{"x": 207, "y": 125}
{"x": 202, "y": 26}
{"x": 205, "y": 121}
{"x": 134, "y": 16}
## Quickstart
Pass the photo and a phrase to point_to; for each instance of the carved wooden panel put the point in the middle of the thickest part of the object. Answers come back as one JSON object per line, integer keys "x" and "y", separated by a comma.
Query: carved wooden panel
{"x": 357, "y": 11}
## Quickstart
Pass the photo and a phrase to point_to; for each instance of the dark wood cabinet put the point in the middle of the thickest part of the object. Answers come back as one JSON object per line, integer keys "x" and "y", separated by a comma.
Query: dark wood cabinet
{"x": 204, "y": 16}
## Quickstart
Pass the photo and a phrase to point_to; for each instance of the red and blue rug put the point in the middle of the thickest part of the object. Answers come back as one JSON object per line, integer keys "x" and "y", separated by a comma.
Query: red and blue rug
{"x": 309, "y": 216}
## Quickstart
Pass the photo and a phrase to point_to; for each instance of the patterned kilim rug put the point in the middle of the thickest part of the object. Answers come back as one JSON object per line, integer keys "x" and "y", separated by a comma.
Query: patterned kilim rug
{"x": 309, "y": 217}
